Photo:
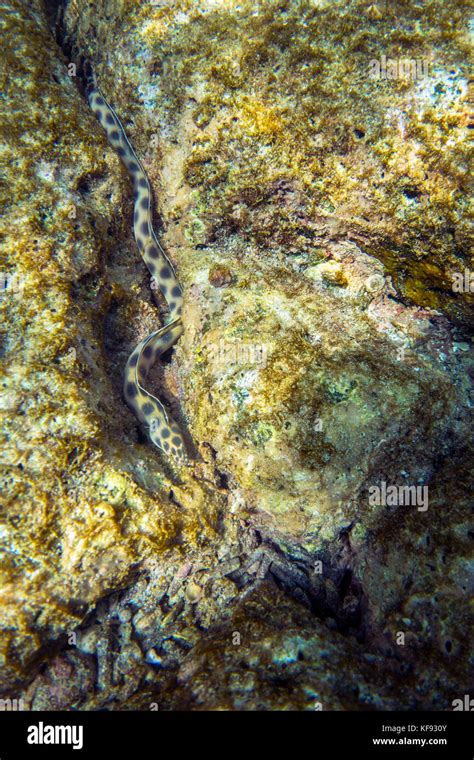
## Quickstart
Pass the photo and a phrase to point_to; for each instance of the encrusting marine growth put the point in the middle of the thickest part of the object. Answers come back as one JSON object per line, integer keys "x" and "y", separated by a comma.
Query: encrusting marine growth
{"x": 163, "y": 431}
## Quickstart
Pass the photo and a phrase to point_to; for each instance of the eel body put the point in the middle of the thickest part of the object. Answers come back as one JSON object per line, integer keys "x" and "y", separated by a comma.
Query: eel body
{"x": 163, "y": 430}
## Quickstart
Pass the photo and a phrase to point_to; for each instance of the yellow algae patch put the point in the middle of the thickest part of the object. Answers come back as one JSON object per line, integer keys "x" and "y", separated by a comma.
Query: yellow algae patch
{"x": 259, "y": 118}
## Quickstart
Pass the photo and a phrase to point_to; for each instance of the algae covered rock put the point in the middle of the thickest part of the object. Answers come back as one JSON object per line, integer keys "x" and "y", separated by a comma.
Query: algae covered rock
{"x": 67, "y": 494}
{"x": 310, "y": 189}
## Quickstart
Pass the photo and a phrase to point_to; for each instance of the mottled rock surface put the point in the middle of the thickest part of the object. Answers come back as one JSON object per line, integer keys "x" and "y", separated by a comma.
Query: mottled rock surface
{"x": 76, "y": 519}
{"x": 316, "y": 216}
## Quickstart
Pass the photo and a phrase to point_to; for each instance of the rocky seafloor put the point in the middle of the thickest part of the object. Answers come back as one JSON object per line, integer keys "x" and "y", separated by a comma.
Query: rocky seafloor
{"x": 312, "y": 192}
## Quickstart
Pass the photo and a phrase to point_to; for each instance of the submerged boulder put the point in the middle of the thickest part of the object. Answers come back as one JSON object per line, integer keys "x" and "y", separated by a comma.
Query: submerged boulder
{"x": 311, "y": 194}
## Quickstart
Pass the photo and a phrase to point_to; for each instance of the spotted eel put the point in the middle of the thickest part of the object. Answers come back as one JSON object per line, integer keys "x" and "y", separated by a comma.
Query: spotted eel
{"x": 162, "y": 429}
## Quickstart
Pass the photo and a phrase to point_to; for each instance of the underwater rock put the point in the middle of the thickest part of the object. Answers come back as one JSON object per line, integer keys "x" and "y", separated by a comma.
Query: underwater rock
{"x": 306, "y": 373}
{"x": 76, "y": 521}
{"x": 312, "y": 120}
{"x": 259, "y": 660}
{"x": 314, "y": 208}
